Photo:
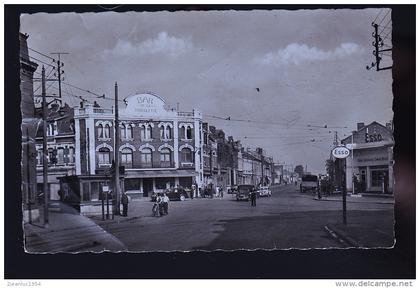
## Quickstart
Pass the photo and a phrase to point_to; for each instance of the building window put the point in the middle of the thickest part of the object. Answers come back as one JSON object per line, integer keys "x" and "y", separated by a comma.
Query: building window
{"x": 71, "y": 155}
{"x": 127, "y": 157}
{"x": 39, "y": 157}
{"x": 123, "y": 132}
{"x": 52, "y": 156}
{"x": 51, "y": 129}
{"x": 129, "y": 132}
{"x": 186, "y": 155}
{"x": 146, "y": 132}
{"x": 100, "y": 131}
{"x": 377, "y": 178}
{"x": 104, "y": 156}
{"x": 146, "y": 157}
{"x": 107, "y": 131}
{"x": 188, "y": 133}
{"x": 165, "y": 132}
{"x": 165, "y": 157}
{"x": 60, "y": 156}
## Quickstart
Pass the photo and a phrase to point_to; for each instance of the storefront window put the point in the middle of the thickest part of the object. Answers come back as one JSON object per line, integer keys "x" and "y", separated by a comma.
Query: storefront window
{"x": 94, "y": 191}
{"x": 164, "y": 183}
{"x": 377, "y": 178}
{"x": 86, "y": 192}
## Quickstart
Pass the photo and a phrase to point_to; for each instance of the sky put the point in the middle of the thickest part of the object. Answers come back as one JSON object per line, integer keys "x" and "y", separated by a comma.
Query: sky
{"x": 279, "y": 75}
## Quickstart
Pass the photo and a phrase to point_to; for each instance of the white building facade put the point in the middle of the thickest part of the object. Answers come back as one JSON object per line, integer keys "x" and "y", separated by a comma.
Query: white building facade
{"x": 159, "y": 148}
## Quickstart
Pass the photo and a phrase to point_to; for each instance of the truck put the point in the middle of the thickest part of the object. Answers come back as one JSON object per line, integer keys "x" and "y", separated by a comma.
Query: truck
{"x": 309, "y": 183}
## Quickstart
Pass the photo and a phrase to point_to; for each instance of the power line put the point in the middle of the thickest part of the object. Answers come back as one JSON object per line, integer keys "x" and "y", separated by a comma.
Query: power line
{"x": 380, "y": 12}
{"x": 389, "y": 10}
{"x": 385, "y": 27}
{"x": 41, "y": 54}
{"x": 38, "y": 60}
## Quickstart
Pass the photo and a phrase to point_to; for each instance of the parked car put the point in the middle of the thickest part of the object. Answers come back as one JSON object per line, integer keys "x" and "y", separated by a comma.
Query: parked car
{"x": 174, "y": 194}
{"x": 264, "y": 191}
{"x": 243, "y": 192}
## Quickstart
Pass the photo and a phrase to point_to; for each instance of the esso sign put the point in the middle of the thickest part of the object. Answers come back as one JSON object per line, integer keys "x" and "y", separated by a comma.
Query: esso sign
{"x": 340, "y": 152}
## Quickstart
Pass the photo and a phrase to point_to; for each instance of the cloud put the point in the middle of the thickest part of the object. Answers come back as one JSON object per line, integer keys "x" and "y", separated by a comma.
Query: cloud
{"x": 299, "y": 53}
{"x": 162, "y": 44}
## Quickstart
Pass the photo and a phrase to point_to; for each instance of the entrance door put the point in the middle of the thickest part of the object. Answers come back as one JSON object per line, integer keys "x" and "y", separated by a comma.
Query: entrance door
{"x": 147, "y": 187}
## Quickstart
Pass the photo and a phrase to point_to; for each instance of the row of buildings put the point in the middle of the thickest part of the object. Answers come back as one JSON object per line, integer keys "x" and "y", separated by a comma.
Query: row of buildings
{"x": 159, "y": 148}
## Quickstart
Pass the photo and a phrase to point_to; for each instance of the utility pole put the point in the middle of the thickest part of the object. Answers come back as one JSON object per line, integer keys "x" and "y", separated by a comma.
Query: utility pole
{"x": 59, "y": 65}
{"x": 378, "y": 44}
{"x": 116, "y": 155}
{"x": 44, "y": 149}
{"x": 262, "y": 168}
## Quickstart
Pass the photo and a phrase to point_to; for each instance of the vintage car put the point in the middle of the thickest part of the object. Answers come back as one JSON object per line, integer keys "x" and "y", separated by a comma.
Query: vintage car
{"x": 232, "y": 189}
{"x": 264, "y": 191}
{"x": 243, "y": 192}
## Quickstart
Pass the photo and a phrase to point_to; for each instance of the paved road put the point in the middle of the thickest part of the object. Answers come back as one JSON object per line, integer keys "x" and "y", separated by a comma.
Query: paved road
{"x": 288, "y": 219}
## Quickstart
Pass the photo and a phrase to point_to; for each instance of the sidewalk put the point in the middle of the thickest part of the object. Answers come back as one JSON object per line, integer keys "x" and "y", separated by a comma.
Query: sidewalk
{"x": 364, "y": 230}
{"x": 358, "y": 198}
{"x": 68, "y": 232}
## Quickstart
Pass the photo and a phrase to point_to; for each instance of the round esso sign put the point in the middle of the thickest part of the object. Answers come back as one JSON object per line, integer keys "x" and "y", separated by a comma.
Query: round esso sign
{"x": 340, "y": 152}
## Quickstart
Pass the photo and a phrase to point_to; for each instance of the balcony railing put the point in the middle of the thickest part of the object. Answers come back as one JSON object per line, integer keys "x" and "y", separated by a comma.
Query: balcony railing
{"x": 150, "y": 165}
{"x": 186, "y": 114}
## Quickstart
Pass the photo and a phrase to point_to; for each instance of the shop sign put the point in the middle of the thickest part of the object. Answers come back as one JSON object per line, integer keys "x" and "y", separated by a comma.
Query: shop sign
{"x": 373, "y": 137}
{"x": 340, "y": 152}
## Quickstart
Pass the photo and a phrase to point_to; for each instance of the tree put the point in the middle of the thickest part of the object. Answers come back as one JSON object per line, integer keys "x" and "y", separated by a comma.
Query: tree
{"x": 299, "y": 170}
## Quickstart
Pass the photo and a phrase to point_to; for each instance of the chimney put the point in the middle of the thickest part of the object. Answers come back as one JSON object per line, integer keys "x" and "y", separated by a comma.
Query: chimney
{"x": 360, "y": 125}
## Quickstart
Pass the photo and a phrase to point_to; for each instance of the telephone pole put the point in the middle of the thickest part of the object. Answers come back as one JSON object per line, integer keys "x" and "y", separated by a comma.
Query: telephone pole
{"x": 44, "y": 149}
{"x": 377, "y": 52}
{"x": 117, "y": 156}
{"x": 59, "y": 65}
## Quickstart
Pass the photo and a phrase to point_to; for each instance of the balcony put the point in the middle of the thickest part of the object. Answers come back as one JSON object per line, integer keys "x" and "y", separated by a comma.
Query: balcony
{"x": 150, "y": 165}
{"x": 185, "y": 114}
{"x": 186, "y": 165}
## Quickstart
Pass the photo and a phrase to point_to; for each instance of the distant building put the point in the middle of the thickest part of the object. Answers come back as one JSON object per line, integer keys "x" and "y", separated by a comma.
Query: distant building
{"x": 29, "y": 123}
{"x": 371, "y": 161}
{"x": 278, "y": 174}
{"x": 159, "y": 148}
{"x": 61, "y": 148}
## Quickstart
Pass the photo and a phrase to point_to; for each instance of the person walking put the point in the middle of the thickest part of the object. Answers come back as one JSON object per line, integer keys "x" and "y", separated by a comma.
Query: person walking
{"x": 165, "y": 201}
{"x": 124, "y": 202}
{"x": 221, "y": 191}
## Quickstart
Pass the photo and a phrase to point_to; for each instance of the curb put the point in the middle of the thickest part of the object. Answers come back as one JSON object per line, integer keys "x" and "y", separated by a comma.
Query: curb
{"x": 341, "y": 238}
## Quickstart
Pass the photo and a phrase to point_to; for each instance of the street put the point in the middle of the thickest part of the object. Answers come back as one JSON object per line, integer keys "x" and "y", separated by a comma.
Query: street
{"x": 288, "y": 219}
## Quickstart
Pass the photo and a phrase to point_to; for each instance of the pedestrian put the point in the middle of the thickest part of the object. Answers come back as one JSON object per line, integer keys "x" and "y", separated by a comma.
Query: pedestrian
{"x": 159, "y": 202}
{"x": 165, "y": 204}
{"x": 124, "y": 202}
{"x": 193, "y": 188}
{"x": 221, "y": 191}
{"x": 253, "y": 197}
{"x": 217, "y": 191}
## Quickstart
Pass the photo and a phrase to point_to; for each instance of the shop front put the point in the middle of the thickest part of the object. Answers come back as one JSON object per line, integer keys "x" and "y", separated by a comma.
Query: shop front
{"x": 369, "y": 168}
{"x": 139, "y": 184}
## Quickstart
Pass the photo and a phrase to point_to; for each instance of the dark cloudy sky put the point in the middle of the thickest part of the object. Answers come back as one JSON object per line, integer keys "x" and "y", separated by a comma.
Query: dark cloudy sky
{"x": 308, "y": 65}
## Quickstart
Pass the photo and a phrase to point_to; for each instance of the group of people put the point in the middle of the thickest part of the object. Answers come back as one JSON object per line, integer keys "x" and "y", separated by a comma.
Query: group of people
{"x": 161, "y": 205}
{"x": 210, "y": 191}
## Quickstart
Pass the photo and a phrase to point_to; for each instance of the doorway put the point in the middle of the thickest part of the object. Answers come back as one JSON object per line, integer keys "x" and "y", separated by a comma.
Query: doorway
{"x": 147, "y": 186}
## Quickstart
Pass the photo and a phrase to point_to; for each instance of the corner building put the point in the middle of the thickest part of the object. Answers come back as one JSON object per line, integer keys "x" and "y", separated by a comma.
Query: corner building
{"x": 159, "y": 148}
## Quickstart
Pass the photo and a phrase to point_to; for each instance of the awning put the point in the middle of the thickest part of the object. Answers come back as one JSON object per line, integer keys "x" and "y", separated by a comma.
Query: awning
{"x": 129, "y": 173}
